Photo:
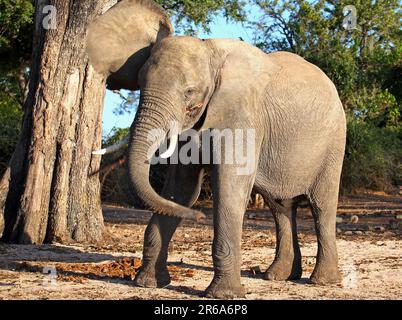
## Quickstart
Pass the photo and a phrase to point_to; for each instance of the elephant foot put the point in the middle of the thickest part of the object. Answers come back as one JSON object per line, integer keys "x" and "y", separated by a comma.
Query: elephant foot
{"x": 281, "y": 271}
{"x": 151, "y": 278}
{"x": 225, "y": 288}
{"x": 326, "y": 275}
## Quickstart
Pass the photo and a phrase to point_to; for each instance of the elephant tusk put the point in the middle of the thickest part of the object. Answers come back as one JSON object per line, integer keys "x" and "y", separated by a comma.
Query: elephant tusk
{"x": 99, "y": 152}
{"x": 172, "y": 147}
{"x": 114, "y": 148}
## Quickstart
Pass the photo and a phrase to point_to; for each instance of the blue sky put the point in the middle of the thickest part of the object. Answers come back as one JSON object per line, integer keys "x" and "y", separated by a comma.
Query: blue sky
{"x": 220, "y": 29}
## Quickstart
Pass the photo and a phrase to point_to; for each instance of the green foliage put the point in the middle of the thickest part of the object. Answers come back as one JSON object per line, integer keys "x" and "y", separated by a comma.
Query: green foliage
{"x": 373, "y": 157}
{"x": 10, "y": 120}
{"x": 16, "y": 18}
{"x": 15, "y": 44}
{"x": 15, "y": 49}
{"x": 190, "y": 15}
{"x": 114, "y": 136}
{"x": 377, "y": 107}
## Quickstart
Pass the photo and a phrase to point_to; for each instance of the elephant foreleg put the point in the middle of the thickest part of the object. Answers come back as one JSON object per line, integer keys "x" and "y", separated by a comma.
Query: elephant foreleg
{"x": 231, "y": 194}
{"x": 183, "y": 185}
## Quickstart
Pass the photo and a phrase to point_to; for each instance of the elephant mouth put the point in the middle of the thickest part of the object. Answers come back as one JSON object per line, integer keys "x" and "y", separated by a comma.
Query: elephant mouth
{"x": 196, "y": 116}
{"x": 194, "y": 111}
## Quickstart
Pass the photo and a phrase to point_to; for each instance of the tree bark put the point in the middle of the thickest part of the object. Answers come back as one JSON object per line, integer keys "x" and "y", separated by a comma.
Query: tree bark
{"x": 48, "y": 193}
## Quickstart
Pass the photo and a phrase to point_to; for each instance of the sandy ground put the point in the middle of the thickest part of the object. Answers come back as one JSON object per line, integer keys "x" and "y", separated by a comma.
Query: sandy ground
{"x": 370, "y": 251}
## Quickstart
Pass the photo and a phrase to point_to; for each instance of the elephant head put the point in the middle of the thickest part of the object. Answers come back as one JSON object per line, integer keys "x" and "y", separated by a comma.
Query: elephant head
{"x": 178, "y": 77}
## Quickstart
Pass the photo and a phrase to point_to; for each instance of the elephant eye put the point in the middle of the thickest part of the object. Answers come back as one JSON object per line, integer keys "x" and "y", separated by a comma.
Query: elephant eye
{"x": 189, "y": 93}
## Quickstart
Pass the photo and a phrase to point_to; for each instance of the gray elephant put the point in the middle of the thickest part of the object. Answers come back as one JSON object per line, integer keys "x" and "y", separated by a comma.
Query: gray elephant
{"x": 292, "y": 106}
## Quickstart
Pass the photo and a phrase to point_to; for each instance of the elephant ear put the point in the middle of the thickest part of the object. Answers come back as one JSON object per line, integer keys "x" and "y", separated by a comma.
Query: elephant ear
{"x": 120, "y": 41}
{"x": 243, "y": 73}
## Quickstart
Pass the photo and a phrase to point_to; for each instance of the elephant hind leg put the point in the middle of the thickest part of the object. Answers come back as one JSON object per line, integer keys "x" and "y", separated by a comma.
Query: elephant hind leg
{"x": 287, "y": 263}
{"x": 324, "y": 200}
{"x": 183, "y": 185}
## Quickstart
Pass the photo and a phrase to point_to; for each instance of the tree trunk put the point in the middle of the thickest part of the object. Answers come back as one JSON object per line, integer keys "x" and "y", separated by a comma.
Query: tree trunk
{"x": 48, "y": 192}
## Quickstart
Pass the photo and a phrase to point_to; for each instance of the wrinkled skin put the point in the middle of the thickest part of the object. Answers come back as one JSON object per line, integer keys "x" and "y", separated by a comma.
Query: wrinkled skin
{"x": 300, "y": 130}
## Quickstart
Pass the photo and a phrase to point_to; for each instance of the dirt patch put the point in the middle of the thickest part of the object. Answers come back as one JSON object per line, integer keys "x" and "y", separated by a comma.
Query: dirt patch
{"x": 370, "y": 259}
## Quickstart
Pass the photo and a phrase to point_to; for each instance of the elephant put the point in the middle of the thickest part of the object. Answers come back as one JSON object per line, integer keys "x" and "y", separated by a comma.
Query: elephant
{"x": 225, "y": 84}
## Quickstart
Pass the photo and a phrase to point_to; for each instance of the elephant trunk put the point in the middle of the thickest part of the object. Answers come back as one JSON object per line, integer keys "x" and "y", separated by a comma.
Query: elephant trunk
{"x": 150, "y": 118}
